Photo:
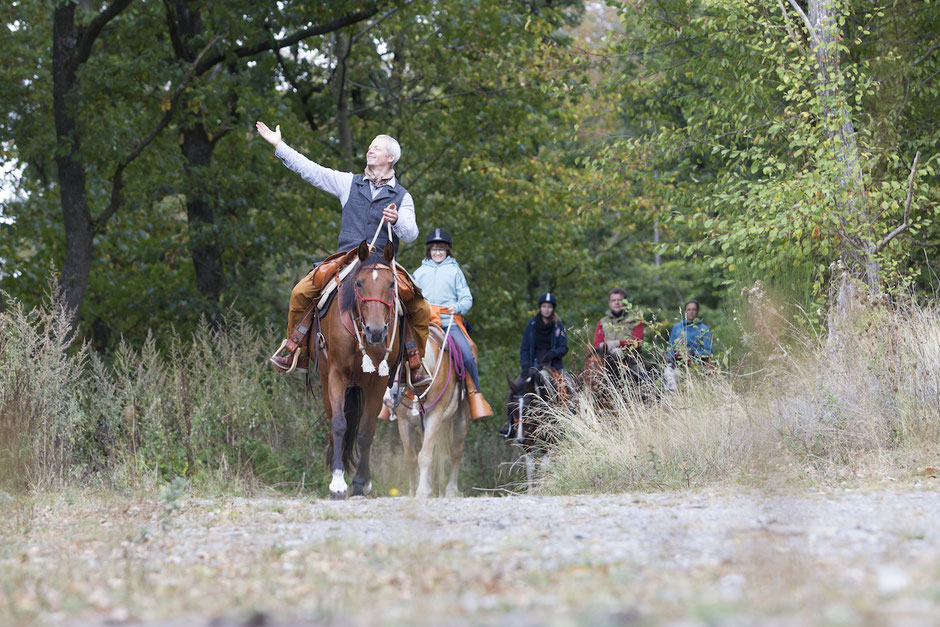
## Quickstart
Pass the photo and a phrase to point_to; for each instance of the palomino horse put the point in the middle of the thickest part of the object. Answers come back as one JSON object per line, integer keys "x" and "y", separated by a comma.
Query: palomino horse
{"x": 359, "y": 331}
{"x": 426, "y": 416}
{"x": 531, "y": 397}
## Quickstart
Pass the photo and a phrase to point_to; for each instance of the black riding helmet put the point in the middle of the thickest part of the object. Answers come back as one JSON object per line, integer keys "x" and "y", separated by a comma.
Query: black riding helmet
{"x": 439, "y": 236}
{"x": 548, "y": 297}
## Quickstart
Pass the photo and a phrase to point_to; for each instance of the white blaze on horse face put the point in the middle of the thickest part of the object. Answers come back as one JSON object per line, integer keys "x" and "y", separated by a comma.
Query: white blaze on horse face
{"x": 338, "y": 484}
{"x": 375, "y": 275}
{"x": 519, "y": 435}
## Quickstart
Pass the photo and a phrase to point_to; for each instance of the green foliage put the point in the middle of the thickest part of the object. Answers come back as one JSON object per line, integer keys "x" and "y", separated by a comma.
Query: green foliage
{"x": 732, "y": 131}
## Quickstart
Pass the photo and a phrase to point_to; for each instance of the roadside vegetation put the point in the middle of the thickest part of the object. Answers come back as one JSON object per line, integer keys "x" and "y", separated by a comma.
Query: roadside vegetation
{"x": 798, "y": 406}
{"x": 802, "y": 407}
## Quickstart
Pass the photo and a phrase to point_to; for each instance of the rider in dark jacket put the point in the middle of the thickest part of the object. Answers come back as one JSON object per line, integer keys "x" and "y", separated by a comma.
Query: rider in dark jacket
{"x": 544, "y": 341}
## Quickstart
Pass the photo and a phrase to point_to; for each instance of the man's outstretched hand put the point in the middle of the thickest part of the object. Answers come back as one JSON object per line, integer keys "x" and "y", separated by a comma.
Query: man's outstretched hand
{"x": 272, "y": 137}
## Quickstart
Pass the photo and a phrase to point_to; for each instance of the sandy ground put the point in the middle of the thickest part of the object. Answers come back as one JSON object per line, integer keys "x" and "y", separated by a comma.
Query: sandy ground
{"x": 699, "y": 558}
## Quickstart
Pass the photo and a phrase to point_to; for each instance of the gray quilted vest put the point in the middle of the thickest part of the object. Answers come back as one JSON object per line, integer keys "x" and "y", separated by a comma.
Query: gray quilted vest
{"x": 362, "y": 214}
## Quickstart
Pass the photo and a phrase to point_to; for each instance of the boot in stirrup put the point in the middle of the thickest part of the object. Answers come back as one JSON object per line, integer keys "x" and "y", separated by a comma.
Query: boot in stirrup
{"x": 420, "y": 376}
{"x": 296, "y": 361}
{"x": 479, "y": 408}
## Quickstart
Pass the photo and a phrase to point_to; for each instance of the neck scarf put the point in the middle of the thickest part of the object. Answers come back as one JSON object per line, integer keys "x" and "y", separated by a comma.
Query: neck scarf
{"x": 378, "y": 182}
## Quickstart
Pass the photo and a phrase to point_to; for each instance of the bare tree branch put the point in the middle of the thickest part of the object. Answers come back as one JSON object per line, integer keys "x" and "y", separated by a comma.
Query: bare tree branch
{"x": 907, "y": 209}
{"x": 809, "y": 25}
{"x": 789, "y": 26}
{"x": 926, "y": 54}
{"x": 372, "y": 25}
{"x": 171, "y": 22}
{"x": 277, "y": 44}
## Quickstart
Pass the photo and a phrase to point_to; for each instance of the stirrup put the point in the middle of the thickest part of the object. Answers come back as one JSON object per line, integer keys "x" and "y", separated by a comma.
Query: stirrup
{"x": 426, "y": 382}
{"x": 295, "y": 355}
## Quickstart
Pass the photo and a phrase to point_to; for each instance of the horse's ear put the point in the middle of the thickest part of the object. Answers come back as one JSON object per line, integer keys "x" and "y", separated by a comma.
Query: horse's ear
{"x": 363, "y": 251}
{"x": 388, "y": 253}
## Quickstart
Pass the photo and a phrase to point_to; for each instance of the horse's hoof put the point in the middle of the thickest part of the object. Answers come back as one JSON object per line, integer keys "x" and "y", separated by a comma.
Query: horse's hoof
{"x": 360, "y": 490}
{"x": 338, "y": 488}
{"x": 453, "y": 494}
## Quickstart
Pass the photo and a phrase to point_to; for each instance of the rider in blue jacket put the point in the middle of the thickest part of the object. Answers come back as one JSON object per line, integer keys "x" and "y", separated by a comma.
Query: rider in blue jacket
{"x": 690, "y": 337}
{"x": 444, "y": 286}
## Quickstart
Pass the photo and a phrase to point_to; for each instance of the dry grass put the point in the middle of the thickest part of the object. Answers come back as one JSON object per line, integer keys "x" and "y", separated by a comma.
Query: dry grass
{"x": 208, "y": 408}
{"x": 861, "y": 403}
{"x": 40, "y": 395}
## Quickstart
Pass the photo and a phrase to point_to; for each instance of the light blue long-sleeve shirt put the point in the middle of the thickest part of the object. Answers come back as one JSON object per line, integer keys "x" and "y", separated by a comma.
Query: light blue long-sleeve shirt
{"x": 444, "y": 284}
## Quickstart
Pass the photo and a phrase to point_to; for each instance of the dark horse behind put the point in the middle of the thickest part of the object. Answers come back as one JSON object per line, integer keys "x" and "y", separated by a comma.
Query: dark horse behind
{"x": 533, "y": 396}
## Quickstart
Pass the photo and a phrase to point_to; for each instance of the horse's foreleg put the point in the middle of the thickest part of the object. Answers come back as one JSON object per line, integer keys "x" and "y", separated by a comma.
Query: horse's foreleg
{"x": 409, "y": 442}
{"x": 529, "y": 470}
{"x": 458, "y": 438}
{"x": 337, "y": 392}
{"x": 362, "y": 482}
{"x": 432, "y": 424}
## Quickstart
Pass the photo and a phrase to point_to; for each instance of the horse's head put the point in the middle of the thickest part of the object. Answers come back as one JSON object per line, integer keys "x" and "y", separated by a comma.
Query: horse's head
{"x": 370, "y": 295}
{"x": 522, "y": 392}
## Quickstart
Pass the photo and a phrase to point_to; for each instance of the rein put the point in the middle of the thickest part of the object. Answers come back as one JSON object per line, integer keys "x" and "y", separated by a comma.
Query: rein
{"x": 367, "y": 365}
{"x": 454, "y": 364}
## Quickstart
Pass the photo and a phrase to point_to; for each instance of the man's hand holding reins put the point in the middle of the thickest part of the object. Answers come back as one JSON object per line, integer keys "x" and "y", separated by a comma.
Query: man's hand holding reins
{"x": 273, "y": 137}
{"x": 390, "y": 213}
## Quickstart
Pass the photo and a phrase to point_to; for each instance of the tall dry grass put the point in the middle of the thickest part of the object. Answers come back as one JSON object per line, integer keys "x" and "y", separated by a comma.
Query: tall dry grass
{"x": 860, "y": 401}
{"x": 207, "y": 408}
{"x": 40, "y": 394}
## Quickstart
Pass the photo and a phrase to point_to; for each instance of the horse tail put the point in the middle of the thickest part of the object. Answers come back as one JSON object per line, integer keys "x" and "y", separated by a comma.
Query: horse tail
{"x": 353, "y": 411}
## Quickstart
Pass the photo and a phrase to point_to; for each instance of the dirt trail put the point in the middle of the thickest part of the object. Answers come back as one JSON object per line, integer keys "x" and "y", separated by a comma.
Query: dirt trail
{"x": 726, "y": 558}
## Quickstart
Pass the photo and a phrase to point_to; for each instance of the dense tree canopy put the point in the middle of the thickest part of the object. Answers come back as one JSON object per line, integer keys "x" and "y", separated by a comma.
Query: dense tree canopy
{"x": 672, "y": 147}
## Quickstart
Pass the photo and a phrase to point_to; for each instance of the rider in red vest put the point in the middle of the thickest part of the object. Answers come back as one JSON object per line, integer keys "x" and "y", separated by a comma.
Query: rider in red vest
{"x": 619, "y": 329}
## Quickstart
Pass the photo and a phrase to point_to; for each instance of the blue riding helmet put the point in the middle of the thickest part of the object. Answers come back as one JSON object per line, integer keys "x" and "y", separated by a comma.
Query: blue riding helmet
{"x": 548, "y": 297}
{"x": 439, "y": 235}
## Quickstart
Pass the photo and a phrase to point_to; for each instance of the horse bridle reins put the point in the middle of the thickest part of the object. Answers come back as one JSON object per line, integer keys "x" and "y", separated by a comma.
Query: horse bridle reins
{"x": 367, "y": 365}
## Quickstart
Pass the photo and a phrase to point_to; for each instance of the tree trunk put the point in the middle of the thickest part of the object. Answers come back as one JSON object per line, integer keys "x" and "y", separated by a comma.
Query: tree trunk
{"x": 203, "y": 232}
{"x": 340, "y": 101}
{"x": 197, "y": 149}
{"x": 76, "y": 216}
{"x": 859, "y": 251}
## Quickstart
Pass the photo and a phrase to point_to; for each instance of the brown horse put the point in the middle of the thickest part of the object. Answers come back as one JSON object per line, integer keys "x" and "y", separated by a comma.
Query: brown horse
{"x": 443, "y": 408}
{"x": 606, "y": 375}
{"x": 362, "y": 329}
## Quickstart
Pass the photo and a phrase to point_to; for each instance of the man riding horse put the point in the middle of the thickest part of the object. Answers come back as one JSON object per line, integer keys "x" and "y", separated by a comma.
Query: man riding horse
{"x": 618, "y": 330}
{"x": 367, "y": 199}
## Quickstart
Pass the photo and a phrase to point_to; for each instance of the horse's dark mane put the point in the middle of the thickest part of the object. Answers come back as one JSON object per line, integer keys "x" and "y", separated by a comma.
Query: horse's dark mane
{"x": 347, "y": 292}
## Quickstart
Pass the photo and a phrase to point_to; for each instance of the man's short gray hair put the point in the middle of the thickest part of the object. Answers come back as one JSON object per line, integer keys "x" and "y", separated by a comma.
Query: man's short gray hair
{"x": 392, "y": 146}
